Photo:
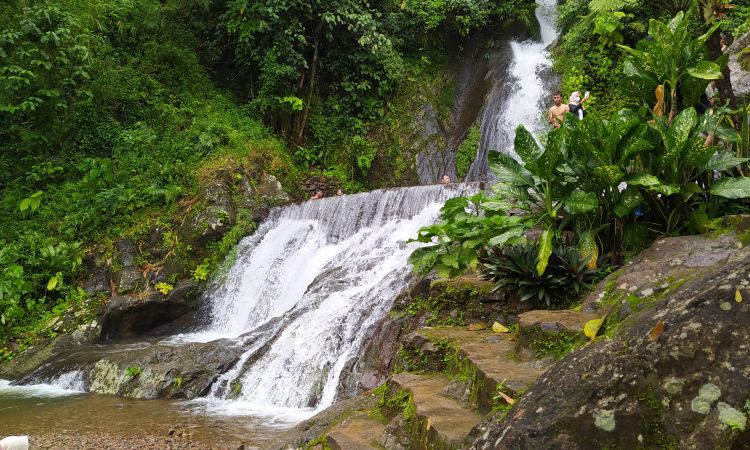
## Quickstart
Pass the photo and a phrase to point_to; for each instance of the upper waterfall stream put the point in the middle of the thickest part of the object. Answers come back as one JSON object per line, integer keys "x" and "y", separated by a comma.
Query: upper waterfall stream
{"x": 520, "y": 100}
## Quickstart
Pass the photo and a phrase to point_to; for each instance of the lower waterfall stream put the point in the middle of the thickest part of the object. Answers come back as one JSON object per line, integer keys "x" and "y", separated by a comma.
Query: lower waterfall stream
{"x": 306, "y": 290}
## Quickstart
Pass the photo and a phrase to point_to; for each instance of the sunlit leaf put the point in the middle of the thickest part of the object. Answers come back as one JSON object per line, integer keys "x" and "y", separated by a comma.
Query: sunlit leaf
{"x": 591, "y": 328}
{"x": 738, "y": 187}
{"x": 545, "y": 250}
{"x": 655, "y": 332}
{"x": 580, "y": 202}
{"x": 497, "y": 327}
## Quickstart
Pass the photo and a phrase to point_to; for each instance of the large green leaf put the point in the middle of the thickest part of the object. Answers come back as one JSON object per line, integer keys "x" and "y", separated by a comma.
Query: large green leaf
{"x": 526, "y": 147}
{"x": 580, "y": 202}
{"x": 682, "y": 125}
{"x": 738, "y": 187}
{"x": 727, "y": 133}
{"x": 705, "y": 70}
{"x": 629, "y": 200}
{"x": 652, "y": 183}
{"x": 609, "y": 174}
{"x": 662, "y": 35}
{"x": 723, "y": 161}
{"x": 552, "y": 157}
{"x": 666, "y": 189}
{"x": 508, "y": 170}
{"x": 509, "y": 235}
{"x": 545, "y": 250}
{"x": 696, "y": 152}
{"x": 644, "y": 179}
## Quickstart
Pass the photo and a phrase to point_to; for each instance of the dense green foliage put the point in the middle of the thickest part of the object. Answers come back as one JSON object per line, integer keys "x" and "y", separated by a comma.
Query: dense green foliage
{"x": 324, "y": 74}
{"x": 606, "y": 184}
{"x": 589, "y": 56}
{"x": 108, "y": 119}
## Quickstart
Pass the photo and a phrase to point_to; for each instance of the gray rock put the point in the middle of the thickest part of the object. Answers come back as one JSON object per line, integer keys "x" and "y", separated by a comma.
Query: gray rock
{"x": 395, "y": 436}
{"x": 127, "y": 252}
{"x": 317, "y": 425}
{"x": 664, "y": 266}
{"x": 739, "y": 76}
{"x": 159, "y": 371}
{"x": 639, "y": 389}
{"x": 215, "y": 218}
{"x": 98, "y": 276}
{"x": 270, "y": 188}
{"x": 130, "y": 316}
{"x": 130, "y": 279}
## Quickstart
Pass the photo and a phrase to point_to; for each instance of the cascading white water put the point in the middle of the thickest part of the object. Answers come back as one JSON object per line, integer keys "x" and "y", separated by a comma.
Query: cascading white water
{"x": 523, "y": 98}
{"x": 67, "y": 383}
{"x": 307, "y": 288}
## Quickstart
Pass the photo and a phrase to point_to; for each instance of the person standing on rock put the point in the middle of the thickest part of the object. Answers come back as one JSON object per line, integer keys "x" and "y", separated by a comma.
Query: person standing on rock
{"x": 556, "y": 113}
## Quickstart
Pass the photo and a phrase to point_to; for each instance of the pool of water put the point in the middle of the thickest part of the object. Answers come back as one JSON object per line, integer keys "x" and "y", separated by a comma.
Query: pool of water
{"x": 42, "y": 411}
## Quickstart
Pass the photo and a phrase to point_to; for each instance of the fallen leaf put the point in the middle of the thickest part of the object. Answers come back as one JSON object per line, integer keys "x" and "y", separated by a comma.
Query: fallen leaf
{"x": 738, "y": 296}
{"x": 592, "y": 327}
{"x": 655, "y": 332}
{"x": 477, "y": 326}
{"x": 505, "y": 397}
{"x": 497, "y": 327}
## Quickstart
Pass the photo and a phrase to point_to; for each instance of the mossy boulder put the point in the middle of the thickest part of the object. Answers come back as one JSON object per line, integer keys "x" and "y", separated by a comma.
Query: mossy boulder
{"x": 676, "y": 375}
{"x": 664, "y": 266}
{"x": 163, "y": 371}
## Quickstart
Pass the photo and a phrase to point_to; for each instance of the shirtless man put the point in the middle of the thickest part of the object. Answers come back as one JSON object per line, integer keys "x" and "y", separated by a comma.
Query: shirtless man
{"x": 557, "y": 112}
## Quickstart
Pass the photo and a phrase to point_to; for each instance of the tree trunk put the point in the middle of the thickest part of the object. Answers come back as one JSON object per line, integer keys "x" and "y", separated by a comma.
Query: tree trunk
{"x": 311, "y": 85}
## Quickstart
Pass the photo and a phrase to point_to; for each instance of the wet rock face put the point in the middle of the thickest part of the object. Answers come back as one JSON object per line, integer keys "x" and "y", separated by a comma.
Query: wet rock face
{"x": 676, "y": 375}
{"x": 215, "y": 219}
{"x": 130, "y": 315}
{"x": 99, "y": 276}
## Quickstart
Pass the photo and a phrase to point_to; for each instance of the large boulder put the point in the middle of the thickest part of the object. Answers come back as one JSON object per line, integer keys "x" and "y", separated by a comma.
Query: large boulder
{"x": 674, "y": 375}
{"x": 134, "y": 315}
{"x": 160, "y": 370}
{"x": 665, "y": 265}
{"x": 214, "y": 215}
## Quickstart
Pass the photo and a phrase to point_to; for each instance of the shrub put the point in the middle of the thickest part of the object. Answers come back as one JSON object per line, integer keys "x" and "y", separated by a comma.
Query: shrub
{"x": 567, "y": 275}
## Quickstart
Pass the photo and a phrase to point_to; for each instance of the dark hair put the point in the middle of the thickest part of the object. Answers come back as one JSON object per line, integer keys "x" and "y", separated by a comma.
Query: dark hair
{"x": 557, "y": 93}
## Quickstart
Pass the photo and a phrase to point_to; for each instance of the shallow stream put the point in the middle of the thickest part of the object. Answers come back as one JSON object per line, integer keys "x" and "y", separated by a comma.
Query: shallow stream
{"x": 54, "y": 417}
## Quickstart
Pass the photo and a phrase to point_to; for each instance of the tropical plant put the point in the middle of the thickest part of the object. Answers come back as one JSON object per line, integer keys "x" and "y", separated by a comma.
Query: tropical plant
{"x": 466, "y": 225}
{"x": 537, "y": 186}
{"x": 513, "y": 267}
{"x": 672, "y": 61}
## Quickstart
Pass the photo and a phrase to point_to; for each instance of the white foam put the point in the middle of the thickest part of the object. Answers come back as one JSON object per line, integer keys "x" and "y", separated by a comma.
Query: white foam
{"x": 69, "y": 383}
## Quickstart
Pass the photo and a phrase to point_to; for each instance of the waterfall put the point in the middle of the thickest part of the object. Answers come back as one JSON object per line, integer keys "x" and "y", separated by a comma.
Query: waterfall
{"x": 522, "y": 98}
{"x": 306, "y": 290}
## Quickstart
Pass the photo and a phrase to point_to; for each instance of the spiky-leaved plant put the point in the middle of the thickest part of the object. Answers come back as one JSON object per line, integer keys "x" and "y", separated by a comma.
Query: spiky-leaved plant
{"x": 513, "y": 268}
